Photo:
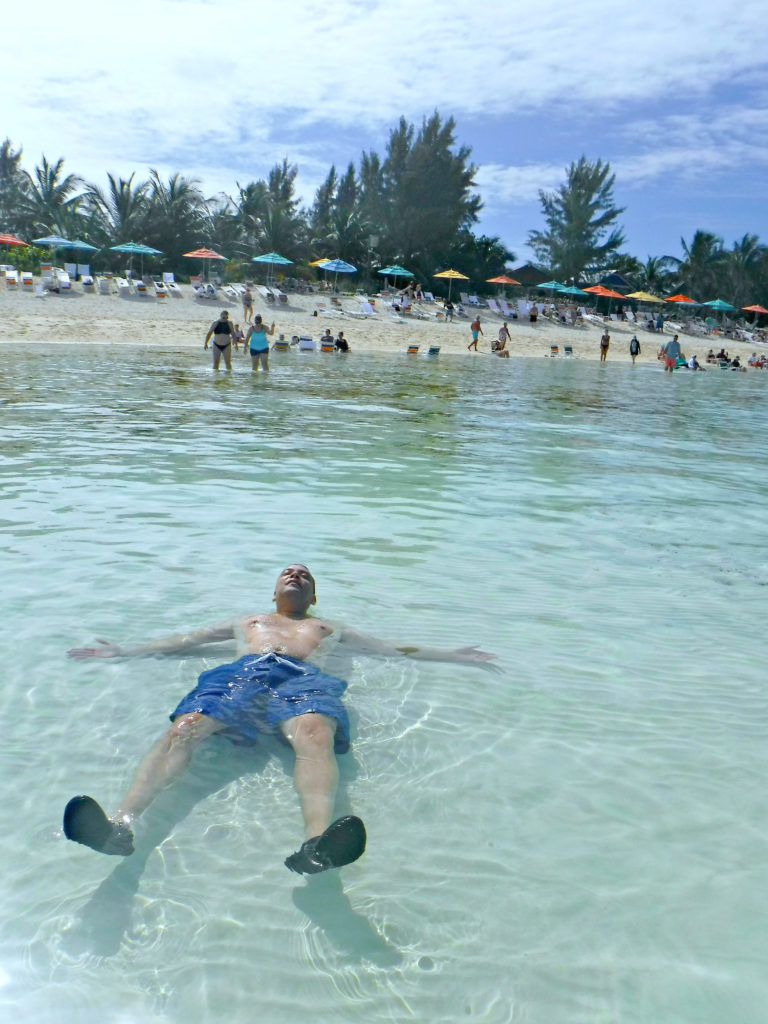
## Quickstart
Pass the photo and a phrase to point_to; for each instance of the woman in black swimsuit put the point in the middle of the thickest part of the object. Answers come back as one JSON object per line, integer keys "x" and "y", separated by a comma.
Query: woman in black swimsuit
{"x": 222, "y": 332}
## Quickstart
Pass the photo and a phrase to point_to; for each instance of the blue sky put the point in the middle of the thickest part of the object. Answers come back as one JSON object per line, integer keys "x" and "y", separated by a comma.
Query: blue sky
{"x": 674, "y": 96}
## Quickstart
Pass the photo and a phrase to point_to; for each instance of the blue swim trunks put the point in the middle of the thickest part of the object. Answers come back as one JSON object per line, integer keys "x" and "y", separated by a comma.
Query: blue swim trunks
{"x": 257, "y": 692}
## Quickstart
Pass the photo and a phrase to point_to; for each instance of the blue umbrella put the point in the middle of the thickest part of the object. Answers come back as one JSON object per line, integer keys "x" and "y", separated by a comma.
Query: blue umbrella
{"x": 83, "y": 246}
{"x": 55, "y": 241}
{"x": 338, "y": 267}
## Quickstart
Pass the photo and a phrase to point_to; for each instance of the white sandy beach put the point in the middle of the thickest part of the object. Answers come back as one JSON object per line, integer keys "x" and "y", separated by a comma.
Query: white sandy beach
{"x": 93, "y": 318}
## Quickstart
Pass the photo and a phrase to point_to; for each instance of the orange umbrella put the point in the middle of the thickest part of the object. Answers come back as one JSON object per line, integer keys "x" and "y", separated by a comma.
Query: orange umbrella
{"x": 205, "y": 254}
{"x": 501, "y": 279}
{"x": 607, "y": 293}
{"x": 678, "y": 298}
{"x": 755, "y": 309}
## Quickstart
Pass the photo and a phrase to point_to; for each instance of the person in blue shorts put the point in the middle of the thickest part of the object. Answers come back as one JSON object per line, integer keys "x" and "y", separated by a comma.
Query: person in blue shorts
{"x": 276, "y": 687}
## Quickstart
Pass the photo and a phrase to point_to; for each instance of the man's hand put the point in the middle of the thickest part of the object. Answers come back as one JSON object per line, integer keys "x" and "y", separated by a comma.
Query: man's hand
{"x": 471, "y": 654}
{"x": 107, "y": 650}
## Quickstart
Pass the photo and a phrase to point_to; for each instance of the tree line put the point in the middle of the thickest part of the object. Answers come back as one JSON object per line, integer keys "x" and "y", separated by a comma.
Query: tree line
{"x": 416, "y": 204}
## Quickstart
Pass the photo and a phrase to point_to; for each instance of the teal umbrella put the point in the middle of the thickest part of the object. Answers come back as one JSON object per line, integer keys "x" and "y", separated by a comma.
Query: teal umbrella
{"x": 83, "y": 246}
{"x": 572, "y": 290}
{"x": 136, "y": 249}
{"x": 396, "y": 271}
{"x": 272, "y": 259}
{"x": 552, "y": 286}
{"x": 720, "y": 306}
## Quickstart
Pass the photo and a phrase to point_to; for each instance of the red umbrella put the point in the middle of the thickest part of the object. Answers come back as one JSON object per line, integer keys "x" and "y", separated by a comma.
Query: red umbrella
{"x": 11, "y": 240}
{"x": 679, "y": 298}
{"x": 501, "y": 279}
{"x": 755, "y": 309}
{"x": 205, "y": 254}
{"x": 607, "y": 293}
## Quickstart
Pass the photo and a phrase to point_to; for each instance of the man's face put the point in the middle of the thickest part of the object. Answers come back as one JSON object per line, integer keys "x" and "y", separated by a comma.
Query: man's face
{"x": 298, "y": 583}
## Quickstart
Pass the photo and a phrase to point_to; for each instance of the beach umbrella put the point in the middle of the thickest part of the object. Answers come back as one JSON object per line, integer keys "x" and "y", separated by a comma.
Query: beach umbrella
{"x": 81, "y": 246}
{"x": 135, "y": 249}
{"x": 272, "y": 259}
{"x": 337, "y": 267}
{"x": 320, "y": 262}
{"x": 720, "y": 306}
{"x": 395, "y": 271}
{"x": 501, "y": 279}
{"x": 9, "y": 240}
{"x": 572, "y": 290}
{"x": 53, "y": 242}
{"x": 680, "y": 298}
{"x": 451, "y": 276}
{"x": 643, "y": 297}
{"x": 205, "y": 255}
{"x": 551, "y": 286}
{"x": 754, "y": 309}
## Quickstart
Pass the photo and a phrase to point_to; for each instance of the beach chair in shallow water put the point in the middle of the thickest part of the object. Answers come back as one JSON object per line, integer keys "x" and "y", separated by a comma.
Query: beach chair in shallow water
{"x": 326, "y": 344}
{"x": 281, "y": 345}
{"x": 306, "y": 344}
{"x": 554, "y": 350}
{"x": 567, "y": 350}
{"x": 433, "y": 350}
{"x": 412, "y": 350}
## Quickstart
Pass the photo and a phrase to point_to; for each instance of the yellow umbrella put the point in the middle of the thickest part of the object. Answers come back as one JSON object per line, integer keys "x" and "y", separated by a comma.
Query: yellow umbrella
{"x": 643, "y": 297}
{"x": 451, "y": 275}
{"x": 319, "y": 263}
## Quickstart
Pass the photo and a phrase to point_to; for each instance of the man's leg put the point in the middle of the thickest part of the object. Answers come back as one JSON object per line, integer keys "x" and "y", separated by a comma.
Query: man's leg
{"x": 315, "y": 773}
{"x": 316, "y": 776}
{"x": 84, "y": 820}
{"x": 166, "y": 761}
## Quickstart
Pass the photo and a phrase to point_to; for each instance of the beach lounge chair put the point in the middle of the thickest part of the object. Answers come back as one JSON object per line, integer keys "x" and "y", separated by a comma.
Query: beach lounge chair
{"x": 433, "y": 350}
{"x": 280, "y": 296}
{"x": 281, "y": 345}
{"x": 27, "y": 281}
{"x": 464, "y": 296}
{"x": 306, "y": 344}
{"x": 63, "y": 280}
{"x": 140, "y": 289}
{"x": 326, "y": 345}
{"x": 161, "y": 290}
{"x": 567, "y": 350}
{"x": 429, "y": 297}
{"x": 366, "y": 308}
{"x": 71, "y": 269}
{"x": 88, "y": 283}
{"x": 84, "y": 270}
{"x": 12, "y": 279}
{"x": 554, "y": 351}
{"x": 412, "y": 350}
{"x": 104, "y": 285}
{"x": 123, "y": 287}
{"x": 46, "y": 276}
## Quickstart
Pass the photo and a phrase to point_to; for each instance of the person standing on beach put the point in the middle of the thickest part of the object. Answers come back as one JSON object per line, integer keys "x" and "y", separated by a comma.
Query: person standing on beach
{"x": 449, "y": 310}
{"x": 247, "y": 299}
{"x": 634, "y": 348}
{"x": 257, "y": 344}
{"x": 222, "y": 332}
{"x": 671, "y": 352}
{"x": 605, "y": 343}
{"x": 476, "y": 332}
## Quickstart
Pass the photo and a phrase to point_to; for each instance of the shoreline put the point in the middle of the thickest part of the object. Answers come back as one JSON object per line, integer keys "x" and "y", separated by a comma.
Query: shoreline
{"x": 91, "y": 318}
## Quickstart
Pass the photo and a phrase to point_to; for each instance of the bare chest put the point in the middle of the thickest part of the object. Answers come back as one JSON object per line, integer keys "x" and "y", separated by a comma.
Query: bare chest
{"x": 280, "y": 635}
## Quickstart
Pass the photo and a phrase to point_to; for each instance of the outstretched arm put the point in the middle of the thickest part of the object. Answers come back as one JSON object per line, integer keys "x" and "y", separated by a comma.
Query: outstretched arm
{"x": 165, "y": 645}
{"x": 371, "y": 645}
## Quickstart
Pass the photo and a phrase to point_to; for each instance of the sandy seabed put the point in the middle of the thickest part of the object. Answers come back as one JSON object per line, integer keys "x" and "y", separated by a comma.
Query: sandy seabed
{"x": 77, "y": 316}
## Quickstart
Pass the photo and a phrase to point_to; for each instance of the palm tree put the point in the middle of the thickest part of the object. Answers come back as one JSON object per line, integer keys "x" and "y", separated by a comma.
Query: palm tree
{"x": 49, "y": 197}
{"x": 657, "y": 274}
{"x": 178, "y": 217}
{"x": 701, "y": 269}
{"x": 744, "y": 266}
{"x": 120, "y": 211}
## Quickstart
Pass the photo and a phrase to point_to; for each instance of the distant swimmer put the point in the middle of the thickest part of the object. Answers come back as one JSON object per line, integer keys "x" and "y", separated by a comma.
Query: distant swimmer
{"x": 223, "y": 333}
{"x": 275, "y": 687}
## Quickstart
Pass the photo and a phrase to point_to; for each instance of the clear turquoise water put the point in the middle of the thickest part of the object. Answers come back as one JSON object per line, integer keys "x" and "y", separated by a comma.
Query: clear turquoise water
{"x": 581, "y": 838}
